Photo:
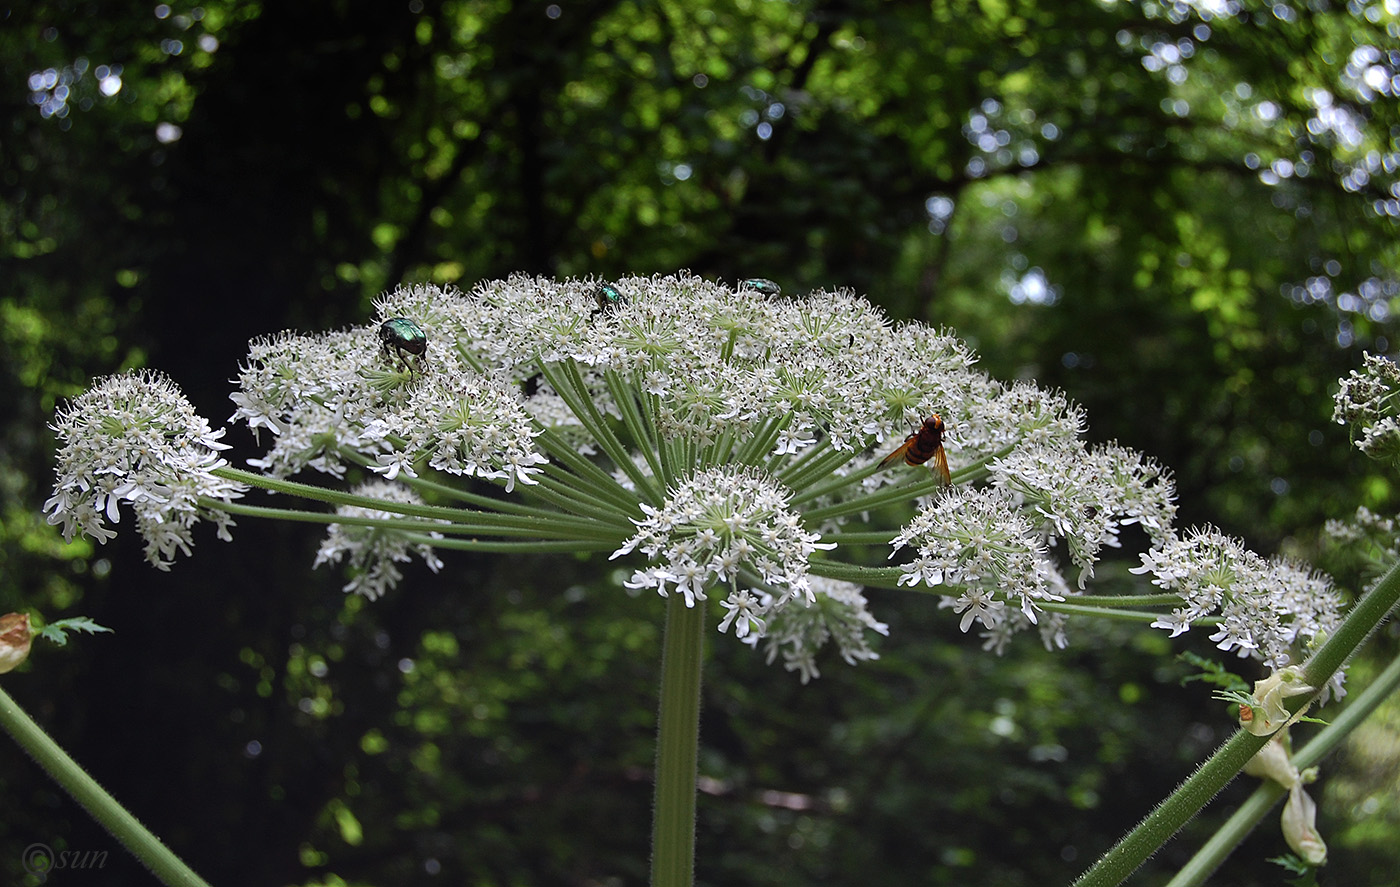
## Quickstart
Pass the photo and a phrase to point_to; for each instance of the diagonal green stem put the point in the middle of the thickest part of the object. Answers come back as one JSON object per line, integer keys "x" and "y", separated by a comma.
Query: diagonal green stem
{"x": 586, "y": 477}
{"x": 677, "y": 745}
{"x": 819, "y": 466}
{"x": 1362, "y": 619}
{"x": 751, "y": 451}
{"x": 1158, "y": 827}
{"x": 641, "y": 428}
{"x": 145, "y": 846}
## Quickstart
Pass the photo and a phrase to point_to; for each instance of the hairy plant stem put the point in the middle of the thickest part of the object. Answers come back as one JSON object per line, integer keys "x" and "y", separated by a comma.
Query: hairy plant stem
{"x": 677, "y": 745}
{"x": 127, "y": 829}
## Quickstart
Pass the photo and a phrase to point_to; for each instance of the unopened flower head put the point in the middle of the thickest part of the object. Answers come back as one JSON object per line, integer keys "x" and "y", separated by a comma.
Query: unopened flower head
{"x": 15, "y": 638}
{"x": 1264, "y": 711}
{"x": 136, "y": 439}
{"x": 1273, "y": 761}
{"x": 1299, "y": 823}
{"x": 1299, "y": 818}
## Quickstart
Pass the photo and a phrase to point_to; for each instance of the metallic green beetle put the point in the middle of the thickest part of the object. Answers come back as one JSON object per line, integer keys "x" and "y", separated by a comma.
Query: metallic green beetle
{"x": 760, "y": 285}
{"x": 399, "y": 335}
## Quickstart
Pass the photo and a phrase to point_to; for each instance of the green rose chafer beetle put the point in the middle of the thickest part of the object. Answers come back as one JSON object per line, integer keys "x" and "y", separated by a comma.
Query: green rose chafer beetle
{"x": 398, "y": 335}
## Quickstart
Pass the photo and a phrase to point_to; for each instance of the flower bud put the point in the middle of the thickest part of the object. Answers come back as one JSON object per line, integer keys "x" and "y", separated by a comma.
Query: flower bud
{"x": 1271, "y": 762}
{"x": 14, "y": 640}
{"x": 1300, "y": 827}
{"x": 1268, "y": 713}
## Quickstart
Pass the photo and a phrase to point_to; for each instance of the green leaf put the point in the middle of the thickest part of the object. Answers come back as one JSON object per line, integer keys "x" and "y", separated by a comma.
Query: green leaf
{"x": 1212, "y": 672}
{"x": 58, "y": 631}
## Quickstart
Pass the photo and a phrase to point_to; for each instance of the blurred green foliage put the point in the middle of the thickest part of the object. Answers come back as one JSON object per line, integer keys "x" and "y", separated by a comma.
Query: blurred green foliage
{"x": 1183, "y": 214}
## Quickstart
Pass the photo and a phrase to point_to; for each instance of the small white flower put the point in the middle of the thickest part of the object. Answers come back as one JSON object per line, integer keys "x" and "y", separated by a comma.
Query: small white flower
{"x": 390, "y": 465}
{"x": 1173, "y": 623}
{"x": 745, "y": 611}
{"x": 978, "y": 604}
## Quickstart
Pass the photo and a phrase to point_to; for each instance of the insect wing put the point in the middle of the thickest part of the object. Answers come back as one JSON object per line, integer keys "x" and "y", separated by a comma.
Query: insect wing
{"x": 899, "y": 452}
{"x": 940, "y": 467}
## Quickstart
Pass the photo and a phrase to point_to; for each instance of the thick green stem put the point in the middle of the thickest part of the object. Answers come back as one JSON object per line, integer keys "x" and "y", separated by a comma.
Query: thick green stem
{"x": 878, "y": 577}
{"x": 338, "y": 497}
{"x": 1229, "y": 836}
{"x": 924, "y": 484}
{"x": 677, "y": 745}
{"x": 1159, "y": 826}
{"x": 145, "y": 846}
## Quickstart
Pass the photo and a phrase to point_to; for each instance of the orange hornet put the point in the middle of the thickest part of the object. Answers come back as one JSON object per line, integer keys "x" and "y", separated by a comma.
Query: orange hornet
{"x": 923, "y": 445}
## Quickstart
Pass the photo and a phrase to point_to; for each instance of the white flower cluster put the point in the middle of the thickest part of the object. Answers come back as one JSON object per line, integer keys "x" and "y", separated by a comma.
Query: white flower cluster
{"x": 1052, "y": 489}
{"x": 329, "y": 396}
{"x": 839, "y": 613}
{"x": 1369, "y": 403}
{"x": 733, "y": 420}
{"x": 374, "y": 551}
{"x": 135, "y": 438}
{"x": 1086, "y": 495}
{"x": 718, "y": 524}
{"x": 715, "y": 363}
{"x": 983, "y": 549}
{"x": 1269, "y": 610}
{"x": 1373, "y": 536}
